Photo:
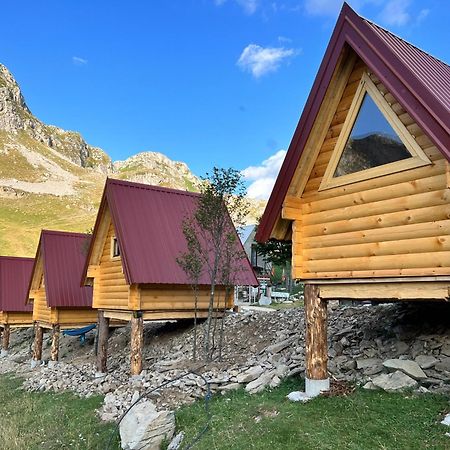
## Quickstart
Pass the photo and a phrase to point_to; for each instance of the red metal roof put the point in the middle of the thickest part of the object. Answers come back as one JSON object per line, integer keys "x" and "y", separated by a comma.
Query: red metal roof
{"x": 148, "y": 222}
{"x": 418, "y": 81}
{"x": 15, "y": 275}
{"x": 64, "y": 255}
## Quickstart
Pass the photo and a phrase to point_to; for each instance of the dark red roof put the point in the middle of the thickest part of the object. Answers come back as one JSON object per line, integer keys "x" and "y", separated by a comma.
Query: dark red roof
{"x": 419, "y": 82}
{"x": 64, "y": 256}
{"x": 15, "y": 275}
{"x": 148, "y": 222}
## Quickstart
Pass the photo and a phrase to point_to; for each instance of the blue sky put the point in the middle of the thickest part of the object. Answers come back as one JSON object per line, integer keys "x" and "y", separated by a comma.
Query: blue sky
{"x": 208, "y": 82}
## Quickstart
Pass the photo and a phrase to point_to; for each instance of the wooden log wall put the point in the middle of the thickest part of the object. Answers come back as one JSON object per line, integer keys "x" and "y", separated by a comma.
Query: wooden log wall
{"x": 17, "y": 318}
{"x": 394, "y": 225}
{"x": 41, "y": 312}
{"x": 172, "y": 297}
{"x": 76, "y": 316}
{"x": 110, "y": 287}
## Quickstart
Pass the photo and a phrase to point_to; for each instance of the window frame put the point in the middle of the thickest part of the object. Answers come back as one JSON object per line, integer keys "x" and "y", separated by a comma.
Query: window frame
{"x": 114, "y": 242}
{"x": 418, "y": 157}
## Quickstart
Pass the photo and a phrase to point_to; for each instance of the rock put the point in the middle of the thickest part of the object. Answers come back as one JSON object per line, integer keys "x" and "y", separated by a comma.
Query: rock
{"x": 407, "y": 366}
{"x": 370, "y": 386}
{"x": 298, "y": 396}
{"x": 446, "y": 420}
{"x": 443, "y": 365}
{"x": 279, "y": 346}
{"x": 259, "y": 384}
{"x": 176, "y": 441}
{"x": 445, "y": 349}
{"x": 426, "y": 361}
{"x": 250, "y": 374}
{"x": 367, "y": 362}
{"x": 145, "y": 428}
{"x": 394, "y": 381}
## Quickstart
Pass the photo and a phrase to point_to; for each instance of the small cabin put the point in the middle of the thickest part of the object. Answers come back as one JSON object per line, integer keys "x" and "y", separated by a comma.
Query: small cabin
{"x": 132, "y": 262}
{"x": 15, "y": 274}
{"x": 364, "y": 191}
{"x": 59, "y": 300}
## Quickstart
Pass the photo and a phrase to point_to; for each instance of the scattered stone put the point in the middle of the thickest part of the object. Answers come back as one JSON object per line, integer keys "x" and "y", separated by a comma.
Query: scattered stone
{"x": 446, "y": 420}
{"x": 395, "y": 381}
{"x": 407, "y": 366}
{"x": 176, "y": 442}
{"x": 370, "y": 386}
{"x": 426, "y": 361}
{"x": 250, "y": 374}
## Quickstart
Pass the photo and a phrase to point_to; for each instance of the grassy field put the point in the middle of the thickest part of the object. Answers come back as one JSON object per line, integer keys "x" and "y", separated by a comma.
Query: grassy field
{"x": 38, "y": 421}
{"x": 364, "y": 420}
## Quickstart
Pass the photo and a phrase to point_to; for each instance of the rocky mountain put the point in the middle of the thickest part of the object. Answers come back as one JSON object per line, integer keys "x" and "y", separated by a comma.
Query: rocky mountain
{"x": 52, "y": 178}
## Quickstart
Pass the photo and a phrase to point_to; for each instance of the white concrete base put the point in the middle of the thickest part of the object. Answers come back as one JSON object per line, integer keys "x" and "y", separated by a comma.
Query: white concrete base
{"x": 35, "y": 363}
{"x": 52, "y": 364}
{"x": 313, "y": 388}
{"x": 3, "y": 353}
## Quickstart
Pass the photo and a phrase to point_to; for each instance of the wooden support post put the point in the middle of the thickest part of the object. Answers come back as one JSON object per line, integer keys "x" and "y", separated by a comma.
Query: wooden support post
{"x": 316, "y": 342}
{"x": 137, "y": 343}
{"x": 102, "y": 341}
{"x": 54, "y": 356}
{"x": 5, "y": 338}
{"x": 38, "y": 338}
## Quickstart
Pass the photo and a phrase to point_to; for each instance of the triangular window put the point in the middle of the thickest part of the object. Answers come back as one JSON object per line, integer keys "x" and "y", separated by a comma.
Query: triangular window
{"x": 373, "y": 141}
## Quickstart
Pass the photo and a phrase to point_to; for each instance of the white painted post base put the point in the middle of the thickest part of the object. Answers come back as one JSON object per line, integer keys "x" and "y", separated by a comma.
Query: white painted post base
{"x": 52, "y": 364}
{"x": 35, "y": 363}
{"x": 3, "y": 353}
{"x": 313, "y": 388}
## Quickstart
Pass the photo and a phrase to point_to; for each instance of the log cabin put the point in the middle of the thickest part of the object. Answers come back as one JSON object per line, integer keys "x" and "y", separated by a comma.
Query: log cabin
{"x": 132, "y": 263}
{"x": 59, "y": 301}
{"x": 15, "y": 274}
{"x": 364, "y": 191}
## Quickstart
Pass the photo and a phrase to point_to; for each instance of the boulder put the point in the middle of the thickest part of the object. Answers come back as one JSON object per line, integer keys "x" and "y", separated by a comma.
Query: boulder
{"x": 395, "y": 381}
{"x": 407, "y": 366}
{"x": 260, "y": 383}
{"x": 443, "y": 365}
{"x": 426, "y": 361}
{"x": 250, "y": 374}
{"x": 145, "y": 428}
{"x": 279, "y": 346}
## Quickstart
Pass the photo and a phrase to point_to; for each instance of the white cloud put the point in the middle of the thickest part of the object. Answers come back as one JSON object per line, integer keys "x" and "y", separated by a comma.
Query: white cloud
{"x": 423, "y": 14}
{"x": 261, "y": 60}
{"x": 262, "y": 177}
{"x": 249, "y": 6}
{"x": 395, "y": 12}
{"x": 79, "y": 61}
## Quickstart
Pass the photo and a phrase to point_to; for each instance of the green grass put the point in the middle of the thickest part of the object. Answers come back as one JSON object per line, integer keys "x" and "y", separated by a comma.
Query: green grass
{"x": 364, "y": 420}
{"x": 37, "y": 421}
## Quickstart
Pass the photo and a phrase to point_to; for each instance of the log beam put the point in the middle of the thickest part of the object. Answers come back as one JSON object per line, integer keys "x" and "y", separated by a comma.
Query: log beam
{"x": 38, "y": 338}
{"x": 54, "y": 355}
{"x": 137, "y": 343}
{"x": 316, "y": 342}
{"x": 102, "y": 341}
{"x": 5, "y": 339}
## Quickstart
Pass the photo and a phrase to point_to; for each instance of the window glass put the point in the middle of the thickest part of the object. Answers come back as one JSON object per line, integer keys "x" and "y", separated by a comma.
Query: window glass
{"x": 116, "y": 249}
{"x": 372, "y": 142}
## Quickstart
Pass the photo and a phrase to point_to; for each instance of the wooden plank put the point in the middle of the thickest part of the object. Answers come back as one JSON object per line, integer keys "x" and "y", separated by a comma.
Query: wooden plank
{"x": 351, "y": 274}
{"x": 398, "y": 291}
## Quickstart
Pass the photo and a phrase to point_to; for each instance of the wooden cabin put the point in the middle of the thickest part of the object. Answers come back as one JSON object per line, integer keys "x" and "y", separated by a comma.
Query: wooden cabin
{"x": 364, "y": 189}
{"x": 59, "y": 300}
{"x": 132, "y": 264}
{"x": 15, "y": 274}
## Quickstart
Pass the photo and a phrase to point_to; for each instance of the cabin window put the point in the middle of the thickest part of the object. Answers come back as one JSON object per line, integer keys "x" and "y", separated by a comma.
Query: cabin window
{"x": 115, "y": 250}
{"x": 373, "y": 141}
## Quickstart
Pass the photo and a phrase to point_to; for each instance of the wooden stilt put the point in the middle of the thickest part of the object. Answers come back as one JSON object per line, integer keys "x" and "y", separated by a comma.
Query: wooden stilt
{"x": 55, "y": 343}
{"x": 38, "y": 337}
{"x": 102, "y": 341}
{"x": 137, "y": 343}
{"x": 316, "y": 337}
{"x": 5, "y": 337}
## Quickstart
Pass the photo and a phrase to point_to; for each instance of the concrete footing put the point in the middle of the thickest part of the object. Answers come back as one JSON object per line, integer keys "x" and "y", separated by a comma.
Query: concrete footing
{"x": 3, "y": 353}
{"x": 52, "y": 364}
{"x": 35, "y": 363}
{"x": 313, "y": 388}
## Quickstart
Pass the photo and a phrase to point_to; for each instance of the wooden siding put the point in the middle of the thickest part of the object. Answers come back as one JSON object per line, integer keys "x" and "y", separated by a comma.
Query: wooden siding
{"x": 76, "y": 317}
{"x": 393, "y": 225}
{"x": 178, "y": 298}
{"x": 16, "y": 318}
{"x": 110, "y": 287}
{"x": 41, "y": 312}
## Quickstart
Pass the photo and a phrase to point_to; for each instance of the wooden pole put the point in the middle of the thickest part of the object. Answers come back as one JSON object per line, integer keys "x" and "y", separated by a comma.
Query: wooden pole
{"x": 102, "y": 341}
{"x": 5, "y": 337}
{"x": 137, "y": 343}
{"x": 316, "y": 337}
{"x": 38, "y": 337}
{"x": 54, "y": 356}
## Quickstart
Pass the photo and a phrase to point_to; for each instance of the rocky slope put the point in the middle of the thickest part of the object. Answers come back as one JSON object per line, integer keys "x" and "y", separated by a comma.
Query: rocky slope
{"x": 52, "y": 178}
